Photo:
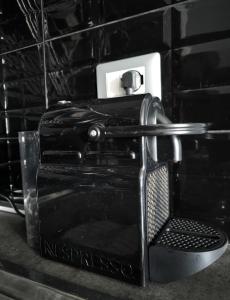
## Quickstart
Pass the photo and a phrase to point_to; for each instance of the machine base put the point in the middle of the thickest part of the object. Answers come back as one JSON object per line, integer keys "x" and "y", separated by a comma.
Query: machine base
{"x": 184, "y": 247}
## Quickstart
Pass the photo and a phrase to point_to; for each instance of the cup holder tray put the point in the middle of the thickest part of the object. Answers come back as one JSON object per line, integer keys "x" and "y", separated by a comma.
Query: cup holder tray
{"x": 184, "y": 247}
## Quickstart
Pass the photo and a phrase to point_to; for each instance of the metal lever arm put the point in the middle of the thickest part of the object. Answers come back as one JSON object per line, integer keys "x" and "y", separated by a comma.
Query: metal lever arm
{"x": 177, "y": 154}
{"x": 99, "y": 132}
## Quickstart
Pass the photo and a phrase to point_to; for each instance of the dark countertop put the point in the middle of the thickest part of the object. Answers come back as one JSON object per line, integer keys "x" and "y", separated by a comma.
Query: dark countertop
{"x": 18, "y": 258}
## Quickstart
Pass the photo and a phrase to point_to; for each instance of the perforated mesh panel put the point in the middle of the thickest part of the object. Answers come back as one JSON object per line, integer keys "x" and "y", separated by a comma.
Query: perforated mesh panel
{"x": 191, "y": 226}
{"x": 187, "y": 242}
{"x": 189, "y": 235}
{"x": 157, "y": 197}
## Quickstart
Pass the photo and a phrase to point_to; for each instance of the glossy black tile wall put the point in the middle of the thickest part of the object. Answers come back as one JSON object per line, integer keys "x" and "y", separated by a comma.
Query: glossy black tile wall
{"x": 20, "y": 24}
{"x": 203, "y": 65}
{"x": 64, "y": 17}
{"x": 200, "y": 21}
{"x": 113, "y": 10}
{"x": 70, "y": 63}
{"x": 22, "y": 103}
{"x": 65, "y": 41}
{"x": 143, "y": 34}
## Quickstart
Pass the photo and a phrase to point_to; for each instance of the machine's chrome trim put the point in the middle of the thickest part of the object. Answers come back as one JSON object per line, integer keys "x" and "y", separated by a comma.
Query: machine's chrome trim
{"x": 10, "y": 210}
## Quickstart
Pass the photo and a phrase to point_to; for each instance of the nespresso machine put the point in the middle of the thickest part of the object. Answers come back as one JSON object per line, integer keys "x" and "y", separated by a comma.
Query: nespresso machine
{"x": 103, "y": 194}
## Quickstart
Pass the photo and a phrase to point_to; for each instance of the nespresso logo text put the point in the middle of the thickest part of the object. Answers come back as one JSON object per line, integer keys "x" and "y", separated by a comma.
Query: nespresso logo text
{"x": 51, "y": 122}
{"x": 87, "y": 259}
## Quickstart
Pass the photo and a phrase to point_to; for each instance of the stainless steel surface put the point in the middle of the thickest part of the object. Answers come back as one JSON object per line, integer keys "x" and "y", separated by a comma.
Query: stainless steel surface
{"x": 145, "y": 117}
{"x": 156, "y": 114}
{"x": 177, "y": 147}
{"x": 154, "y": 139}
{"x": 152, "y": 195}
{"x": 77, "y": 154}
{"x": 10, "y": 209}
{"x": 219, "y": 131}
{"x": 165, "y": 129}
{"x": 63, "y": 102}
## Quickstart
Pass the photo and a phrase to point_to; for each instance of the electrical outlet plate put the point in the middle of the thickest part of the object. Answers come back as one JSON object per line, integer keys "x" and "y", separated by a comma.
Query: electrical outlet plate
{"x": 109, "y": 75}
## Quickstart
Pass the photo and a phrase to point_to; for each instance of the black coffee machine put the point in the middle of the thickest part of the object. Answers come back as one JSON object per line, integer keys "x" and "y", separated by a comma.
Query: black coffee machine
{"x": 103, "y": 196}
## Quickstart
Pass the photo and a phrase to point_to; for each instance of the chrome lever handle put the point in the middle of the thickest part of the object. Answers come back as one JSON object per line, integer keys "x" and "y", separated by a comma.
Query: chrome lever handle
{"x": 177, "y": 147}
{"x": 99, "y": 132}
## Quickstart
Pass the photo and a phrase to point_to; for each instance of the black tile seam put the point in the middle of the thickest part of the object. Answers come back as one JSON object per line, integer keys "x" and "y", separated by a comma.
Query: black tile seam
{"x": 44, "y": 57}
{"x": 20, "y": 49}
{"x": 102, "y": 25}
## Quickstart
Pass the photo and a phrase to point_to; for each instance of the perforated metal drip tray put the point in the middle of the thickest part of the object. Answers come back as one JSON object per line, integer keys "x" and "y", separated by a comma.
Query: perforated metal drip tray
{"x": 184, "y": 247}
{"x": 189, "y": 235}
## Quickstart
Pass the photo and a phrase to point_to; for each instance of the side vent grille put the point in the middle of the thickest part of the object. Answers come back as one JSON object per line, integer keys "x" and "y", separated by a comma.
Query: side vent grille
{"x": 157, "y": 197}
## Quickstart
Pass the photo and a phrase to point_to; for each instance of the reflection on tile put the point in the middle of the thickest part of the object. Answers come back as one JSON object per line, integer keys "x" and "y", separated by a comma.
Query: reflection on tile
{"x": 21, "y": 94}
{"x": 21, "y": 82}
{"x": 166, "y": 81}
{"x": 115, "y": 9}
{"x": 21, "y": 75}
{"x": 137, "y": 36}
{"x": 23, "y": 64}
{"x": 22, "y": 120}
{"x": 205, "y": 198}
{"x": 22, "y": 102}
{"x": 67, "y": 16}
{"x": 204, "y": 157}
{"x": 14, "y": 169}
{"x": 200, "y": 21}
{"x": 4, "y": 170}
{"x": 71, "y": 67}
{"x": 202, "y": 65}
{"x": 18, "y": 120}
{"x": 27, "y": 93}
{"x": 205, "y": 169}
{"x": 20, "y": 24}
{"x": 72, "y": 86}
{"x": 3, "y": 152}
{"x": 209, "y": 105}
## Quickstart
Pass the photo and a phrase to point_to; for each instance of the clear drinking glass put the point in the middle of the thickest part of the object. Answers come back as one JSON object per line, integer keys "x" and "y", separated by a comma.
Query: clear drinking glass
{"x": 29, "y": 154}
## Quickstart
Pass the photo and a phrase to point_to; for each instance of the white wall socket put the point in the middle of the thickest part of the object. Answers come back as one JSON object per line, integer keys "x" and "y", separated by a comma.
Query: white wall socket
{"x": 109, "y": 75}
